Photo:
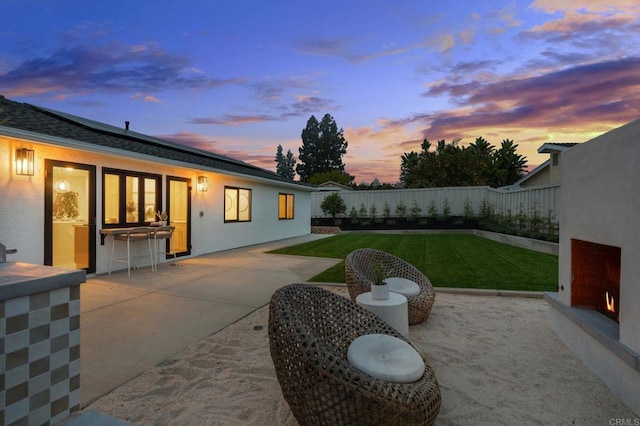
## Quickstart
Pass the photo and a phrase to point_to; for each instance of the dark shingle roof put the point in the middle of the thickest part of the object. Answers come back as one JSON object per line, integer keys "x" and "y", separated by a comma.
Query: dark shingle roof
{"x": 567, "y": 144}
{"x": 549, "y": 147}
{"x": 54, "y": 123}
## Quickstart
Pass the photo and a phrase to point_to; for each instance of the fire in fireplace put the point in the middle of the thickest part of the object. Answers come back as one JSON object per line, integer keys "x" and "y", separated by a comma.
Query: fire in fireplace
{"x": 595, "y": 270}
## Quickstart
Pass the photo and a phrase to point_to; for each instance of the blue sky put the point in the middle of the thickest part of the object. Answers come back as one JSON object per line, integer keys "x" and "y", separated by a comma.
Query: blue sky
{"x": 240, "y": 78}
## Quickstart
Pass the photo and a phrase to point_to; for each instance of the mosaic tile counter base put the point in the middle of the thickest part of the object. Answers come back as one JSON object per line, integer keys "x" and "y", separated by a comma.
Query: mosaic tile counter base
{"x": 40, "y": 361}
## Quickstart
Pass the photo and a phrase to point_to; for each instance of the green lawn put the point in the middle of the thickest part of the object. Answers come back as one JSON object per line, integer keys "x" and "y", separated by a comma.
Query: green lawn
{"x": 448, "y": 260}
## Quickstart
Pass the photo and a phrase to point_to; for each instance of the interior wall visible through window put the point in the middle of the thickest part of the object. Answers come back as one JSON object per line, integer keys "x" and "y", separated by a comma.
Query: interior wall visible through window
{"x": 237, "y": 204}
{"x": 130, "y": 198}
{"x": 285, "y": 206}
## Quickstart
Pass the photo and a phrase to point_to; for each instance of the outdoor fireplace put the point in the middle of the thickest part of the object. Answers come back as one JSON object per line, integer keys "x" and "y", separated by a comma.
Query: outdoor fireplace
{"x": 596, "y": 311}
{"x": 595, "y": 272}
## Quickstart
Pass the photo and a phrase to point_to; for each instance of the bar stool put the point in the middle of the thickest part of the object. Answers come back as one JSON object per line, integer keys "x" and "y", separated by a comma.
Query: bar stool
{"x": 160, "y": 234}
{"x": 131, "y": 236}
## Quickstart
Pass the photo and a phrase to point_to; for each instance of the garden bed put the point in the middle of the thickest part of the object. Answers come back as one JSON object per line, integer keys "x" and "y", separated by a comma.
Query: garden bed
{"x": 435, "y": 223}
{"x": 348, "y": 224}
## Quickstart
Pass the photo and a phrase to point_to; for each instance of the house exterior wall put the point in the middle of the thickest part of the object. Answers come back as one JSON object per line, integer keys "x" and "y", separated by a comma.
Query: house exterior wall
{"x": 214, "y": 235}
{"x": 555, "y": 171}
{"x": 543, "y": 177}
{"x": 600, "y": 203}
{"x": 22, "y": 203}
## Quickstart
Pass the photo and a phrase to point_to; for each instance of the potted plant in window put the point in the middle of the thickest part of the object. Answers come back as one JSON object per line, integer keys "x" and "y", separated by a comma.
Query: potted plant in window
{"x": 65, "y": 206}
{"x": 379, "y": 288}
{"x": 162, "y": 217}
{"x": 131, "y": 209}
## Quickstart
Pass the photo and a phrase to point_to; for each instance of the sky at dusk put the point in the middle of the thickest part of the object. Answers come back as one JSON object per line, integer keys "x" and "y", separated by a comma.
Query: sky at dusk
{"x": 241, "y": 77}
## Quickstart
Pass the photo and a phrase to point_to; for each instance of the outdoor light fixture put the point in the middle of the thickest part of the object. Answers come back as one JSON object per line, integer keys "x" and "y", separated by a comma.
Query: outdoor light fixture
{"x": 25, "y": 161}
{"x": 203, "y": 184}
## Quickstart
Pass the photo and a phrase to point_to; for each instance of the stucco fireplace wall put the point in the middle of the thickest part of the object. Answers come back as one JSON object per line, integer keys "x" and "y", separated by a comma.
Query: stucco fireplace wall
{"x": 600, "y": 203}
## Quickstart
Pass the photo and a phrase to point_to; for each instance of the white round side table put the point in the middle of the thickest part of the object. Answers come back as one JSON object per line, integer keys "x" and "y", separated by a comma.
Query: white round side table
{"x": 392, "y": 310}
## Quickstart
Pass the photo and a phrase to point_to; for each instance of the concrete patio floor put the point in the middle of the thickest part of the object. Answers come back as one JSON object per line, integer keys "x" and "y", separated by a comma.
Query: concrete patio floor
{"x": 129, "y": 325}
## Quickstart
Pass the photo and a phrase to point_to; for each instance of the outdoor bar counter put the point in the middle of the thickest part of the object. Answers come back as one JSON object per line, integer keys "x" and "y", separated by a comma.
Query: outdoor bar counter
{"x": 39, "y": 343}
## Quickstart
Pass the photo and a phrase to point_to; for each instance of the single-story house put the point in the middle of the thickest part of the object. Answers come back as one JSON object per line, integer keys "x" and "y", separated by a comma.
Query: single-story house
{"x": 65, "y": 178}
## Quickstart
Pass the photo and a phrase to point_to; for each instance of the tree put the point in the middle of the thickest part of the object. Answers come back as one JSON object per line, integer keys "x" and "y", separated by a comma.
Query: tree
{"x": 452, "y": 165}
{"x": 285, "y": 164}
{"x": 508, "y": 167}
{"x": 323, "y": 146}
{"x": 482, "y": 152}
{"x": 409, "y": 169}
{"x": 333, "y": 205}
{"x": 342, "y": 178}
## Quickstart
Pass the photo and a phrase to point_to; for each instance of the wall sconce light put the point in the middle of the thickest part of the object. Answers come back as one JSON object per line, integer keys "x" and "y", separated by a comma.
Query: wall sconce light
{"x": 25, "y": 159}
{"x": 203, "y": 184}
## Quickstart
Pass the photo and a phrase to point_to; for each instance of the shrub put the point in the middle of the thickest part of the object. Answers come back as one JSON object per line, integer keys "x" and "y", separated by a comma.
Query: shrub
{"x": 431, "y": 210}
{"x": 362, "y": 212}
{"x": 415, "y": 210}
{"x": 353, "y": 214}
{"x": 468, "y": 208}
{"x": 446, "y": 210}
{"x": 486, "y": 210}
{"x": 373, "y": 212}
{"x": 386, "y": 210}
{"x": 333, "y": 204}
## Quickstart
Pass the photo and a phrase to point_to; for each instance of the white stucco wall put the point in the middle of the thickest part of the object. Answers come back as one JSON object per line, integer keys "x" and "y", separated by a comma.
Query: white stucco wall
{"x": 600, "y": 203}
{"x": 22, "y": 203}
{"x": 555, "y": 172}
{"x": 215, "y": 235}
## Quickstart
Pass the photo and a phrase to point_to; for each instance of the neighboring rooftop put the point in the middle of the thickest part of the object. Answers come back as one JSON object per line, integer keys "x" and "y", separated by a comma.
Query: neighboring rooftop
{"x": 49, "y": 122}
{"x": 333, "y": 186}
{"x": 548, "y": 148}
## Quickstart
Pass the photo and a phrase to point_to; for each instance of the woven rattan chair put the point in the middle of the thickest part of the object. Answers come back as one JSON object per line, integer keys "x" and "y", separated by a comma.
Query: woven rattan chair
{"x": 310, "y": 330}
{"x": 359, "y": 276}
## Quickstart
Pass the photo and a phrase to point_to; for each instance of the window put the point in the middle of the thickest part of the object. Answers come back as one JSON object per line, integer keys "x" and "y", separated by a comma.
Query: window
{"x": 237, "y": 204}
{"x": 555, "y": 158}
{"x": 130, "y": 198}
{"x": 285, "y": 206}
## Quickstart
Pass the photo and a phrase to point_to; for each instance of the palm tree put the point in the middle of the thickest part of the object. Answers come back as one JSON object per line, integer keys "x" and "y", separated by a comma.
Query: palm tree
{"x": 508, "y": 167}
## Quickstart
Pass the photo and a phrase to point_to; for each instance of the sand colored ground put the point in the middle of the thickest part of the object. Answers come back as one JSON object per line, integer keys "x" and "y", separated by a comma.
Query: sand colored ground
{"x": 497, "y": 362}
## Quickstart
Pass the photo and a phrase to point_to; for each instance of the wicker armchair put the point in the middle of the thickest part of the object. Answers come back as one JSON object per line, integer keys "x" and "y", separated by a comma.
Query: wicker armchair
{"x": 310, "y": 330}
{"x": 359, "y": 275}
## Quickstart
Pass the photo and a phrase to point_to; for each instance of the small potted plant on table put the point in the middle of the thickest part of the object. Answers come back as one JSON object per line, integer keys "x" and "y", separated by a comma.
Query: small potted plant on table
{"x": 379, "y": 288}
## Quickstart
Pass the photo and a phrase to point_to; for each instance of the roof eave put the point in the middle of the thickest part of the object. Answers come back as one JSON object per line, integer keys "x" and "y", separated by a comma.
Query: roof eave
{"x": 99, "y": 149}
{"x": 548, "y": 148}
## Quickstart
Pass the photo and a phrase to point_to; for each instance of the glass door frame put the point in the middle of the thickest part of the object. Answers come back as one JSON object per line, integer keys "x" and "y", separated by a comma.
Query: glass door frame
{"x": 168, "y": 201}
{"x": 48, "y": 209}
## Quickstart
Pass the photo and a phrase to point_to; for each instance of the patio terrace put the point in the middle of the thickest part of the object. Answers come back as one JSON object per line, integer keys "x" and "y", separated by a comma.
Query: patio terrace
{"x": 129, "y": 325}
{"x": 189, "y": 345}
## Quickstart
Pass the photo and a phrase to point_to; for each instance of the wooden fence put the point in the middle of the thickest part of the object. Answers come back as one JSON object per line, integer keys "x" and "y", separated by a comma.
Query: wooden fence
{"x": 544, "y": 199}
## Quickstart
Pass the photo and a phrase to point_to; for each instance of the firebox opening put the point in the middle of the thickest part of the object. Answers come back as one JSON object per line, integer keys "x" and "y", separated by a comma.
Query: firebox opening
{"x": 595, "y": 270}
